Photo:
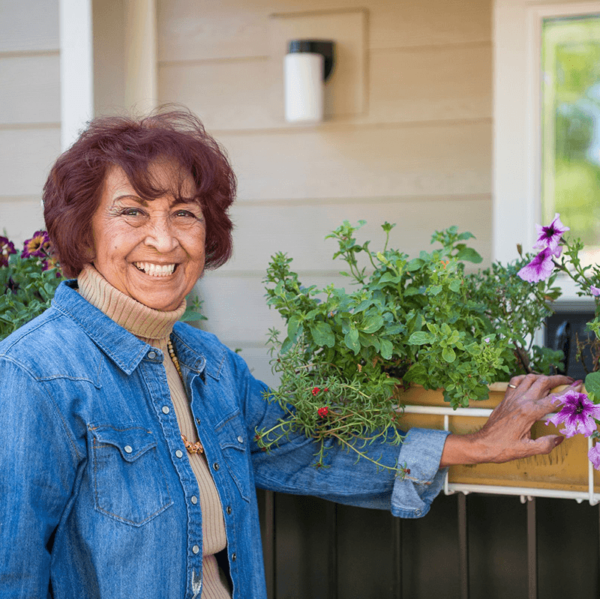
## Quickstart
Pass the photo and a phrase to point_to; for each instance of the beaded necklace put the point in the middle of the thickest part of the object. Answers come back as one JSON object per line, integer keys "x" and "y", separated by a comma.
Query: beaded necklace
{"x": 191, "y": 447}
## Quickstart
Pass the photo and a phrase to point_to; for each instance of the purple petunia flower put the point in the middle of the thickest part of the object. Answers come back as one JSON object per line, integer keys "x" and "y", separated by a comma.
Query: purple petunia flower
{"x": 594, "y": 290}
{"x": 550, "y": 236}
{"x": 37, "y": 247}
{"x": 541, "y": 267}
{"x": 577, "y": 414}
{"x": 6, "y": 249}
{"x": 594, "y": 456}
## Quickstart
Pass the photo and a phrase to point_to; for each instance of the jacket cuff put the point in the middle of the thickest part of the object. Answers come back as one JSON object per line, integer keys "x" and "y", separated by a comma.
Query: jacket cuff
{"x": 421, "y": 453}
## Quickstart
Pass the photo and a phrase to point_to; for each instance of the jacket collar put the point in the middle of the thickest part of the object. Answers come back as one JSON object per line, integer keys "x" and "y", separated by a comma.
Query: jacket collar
{"x": 124, "y": 348}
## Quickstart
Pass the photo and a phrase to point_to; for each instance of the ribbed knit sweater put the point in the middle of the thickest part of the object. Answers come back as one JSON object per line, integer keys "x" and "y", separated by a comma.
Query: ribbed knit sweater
{"x": 154, "y": 327}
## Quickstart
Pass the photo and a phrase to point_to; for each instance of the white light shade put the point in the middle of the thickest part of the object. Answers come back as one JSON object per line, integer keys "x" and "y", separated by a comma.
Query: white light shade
{"x": 303, "y": 75}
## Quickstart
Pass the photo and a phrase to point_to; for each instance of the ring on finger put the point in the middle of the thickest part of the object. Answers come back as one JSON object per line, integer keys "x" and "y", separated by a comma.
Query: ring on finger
{"x": 512, "y": 386}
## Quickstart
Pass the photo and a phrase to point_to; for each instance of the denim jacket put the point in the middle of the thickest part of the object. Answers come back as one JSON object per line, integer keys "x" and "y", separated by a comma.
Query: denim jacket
{"x": 97, "y": 497}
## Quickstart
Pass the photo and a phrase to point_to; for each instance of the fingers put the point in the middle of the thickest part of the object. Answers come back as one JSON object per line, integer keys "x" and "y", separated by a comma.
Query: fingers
{"x": 545, "y": 445}
{"x": 549, "y": 403}
{"x": 546, "y": 383}
{"x": 516, "y": 380}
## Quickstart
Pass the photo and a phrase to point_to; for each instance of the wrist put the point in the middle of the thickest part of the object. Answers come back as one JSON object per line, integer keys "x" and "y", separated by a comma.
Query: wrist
{"x": 463, "y": 449}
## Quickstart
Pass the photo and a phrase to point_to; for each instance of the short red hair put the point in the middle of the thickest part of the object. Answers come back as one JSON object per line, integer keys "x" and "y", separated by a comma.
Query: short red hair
{"x": 73, "y": 189}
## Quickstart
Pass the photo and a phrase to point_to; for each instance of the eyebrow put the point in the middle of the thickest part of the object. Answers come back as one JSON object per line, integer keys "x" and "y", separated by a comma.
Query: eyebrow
{"x": 143, "y": 202}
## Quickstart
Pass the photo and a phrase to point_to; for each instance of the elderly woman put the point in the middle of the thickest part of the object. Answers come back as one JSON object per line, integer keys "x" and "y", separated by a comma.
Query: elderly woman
{"x": 127, "y": 462}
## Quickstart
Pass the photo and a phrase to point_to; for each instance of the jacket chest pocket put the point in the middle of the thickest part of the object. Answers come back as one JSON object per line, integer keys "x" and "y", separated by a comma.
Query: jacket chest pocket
{"x": 234, "y": 446}
{"x": 128, "y": 481}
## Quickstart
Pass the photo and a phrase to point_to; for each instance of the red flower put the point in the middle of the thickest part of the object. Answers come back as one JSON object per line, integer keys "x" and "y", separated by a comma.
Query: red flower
{"x": 322, "y": 412}
{"x": 315, "y": 390}
{"x": 326, "y": 389}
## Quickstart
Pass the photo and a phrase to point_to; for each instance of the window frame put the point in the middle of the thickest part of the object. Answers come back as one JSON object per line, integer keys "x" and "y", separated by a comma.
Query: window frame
{"x": 517, "y": 131}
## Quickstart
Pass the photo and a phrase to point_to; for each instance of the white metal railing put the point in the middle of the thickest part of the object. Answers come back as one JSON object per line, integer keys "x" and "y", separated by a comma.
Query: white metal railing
{"x": 526, "y": 493}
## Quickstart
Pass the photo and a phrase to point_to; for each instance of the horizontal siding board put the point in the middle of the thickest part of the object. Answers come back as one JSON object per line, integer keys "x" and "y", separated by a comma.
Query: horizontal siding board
{"x": 300, "y": 231}
{"x": 430, "y": 159}
{"x": 191, "y": 30}
{"x": 28, "y": 25}
{"x": 431, "y": 84}
{"x": 225, "y": 95}
{"x": 20, "y": 218}
{"x": 29, "y": 89}
{"x": 405, "y": 87}
{"x": 25, "y": 160}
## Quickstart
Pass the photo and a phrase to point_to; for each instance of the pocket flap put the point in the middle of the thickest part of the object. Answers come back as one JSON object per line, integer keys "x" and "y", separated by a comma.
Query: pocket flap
{"x": 131, "y": 441}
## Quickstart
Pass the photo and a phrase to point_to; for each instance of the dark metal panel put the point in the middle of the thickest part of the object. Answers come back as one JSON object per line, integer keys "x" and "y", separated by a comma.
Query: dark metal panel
{"x": 332, "y": 562}
{"x": 365, "y": 560}
{"x": 532, "y": 565}
{"x": 567, "y": 547}
{"x": 397, "y": 558}
{"x": 463, "y": 546}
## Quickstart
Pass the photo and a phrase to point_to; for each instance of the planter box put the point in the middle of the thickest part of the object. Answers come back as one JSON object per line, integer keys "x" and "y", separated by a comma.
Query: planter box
{"x": 566, "y": 472}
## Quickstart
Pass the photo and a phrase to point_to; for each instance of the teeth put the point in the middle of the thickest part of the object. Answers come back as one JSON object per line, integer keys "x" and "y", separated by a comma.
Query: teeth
{"x": 155, "y": 270}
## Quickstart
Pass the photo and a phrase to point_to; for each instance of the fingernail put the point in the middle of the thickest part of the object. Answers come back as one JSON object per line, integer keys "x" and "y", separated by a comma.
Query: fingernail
{"x": 558, "y": 441}
{"x": 577, "y": 383}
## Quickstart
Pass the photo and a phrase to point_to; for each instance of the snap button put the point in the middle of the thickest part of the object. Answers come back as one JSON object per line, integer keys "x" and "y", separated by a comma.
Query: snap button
{"x": 128, "y": 449}
{"x": 194, "y": 499}
{"x": 233, "y": 557}
{"x": 240, "y": 439}
{"x": 197, "y": 420}
{"x": 152, "y": 355}
{"x": 179, "y": 453}
{"x": 216, "y": 465}
{"x": 196, "y": 549}
{"x": 228, "y": 510}
{"x": 166, "y": 409}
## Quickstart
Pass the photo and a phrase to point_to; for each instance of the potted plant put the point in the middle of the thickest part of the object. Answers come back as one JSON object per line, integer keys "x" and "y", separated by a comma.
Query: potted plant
{"x": 411, "y": 327}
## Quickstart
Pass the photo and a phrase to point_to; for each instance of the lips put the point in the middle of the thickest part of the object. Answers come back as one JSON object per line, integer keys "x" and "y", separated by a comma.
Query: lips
{"x": 156, "y": 270}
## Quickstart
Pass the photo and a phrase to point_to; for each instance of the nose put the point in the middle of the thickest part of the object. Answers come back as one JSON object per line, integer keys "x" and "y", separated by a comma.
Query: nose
{"x": 161, "y": 236}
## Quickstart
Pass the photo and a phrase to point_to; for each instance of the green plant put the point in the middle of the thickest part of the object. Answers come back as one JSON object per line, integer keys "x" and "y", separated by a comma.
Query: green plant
{"x": 420, "y": 320}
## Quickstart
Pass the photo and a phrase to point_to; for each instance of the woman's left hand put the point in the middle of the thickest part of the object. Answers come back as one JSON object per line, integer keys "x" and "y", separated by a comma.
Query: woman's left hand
{"x": 507, "y": 433}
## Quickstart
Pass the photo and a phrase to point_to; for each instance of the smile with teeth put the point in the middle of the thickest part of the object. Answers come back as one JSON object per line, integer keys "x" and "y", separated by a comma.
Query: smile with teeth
{"x": 155, "y": 270}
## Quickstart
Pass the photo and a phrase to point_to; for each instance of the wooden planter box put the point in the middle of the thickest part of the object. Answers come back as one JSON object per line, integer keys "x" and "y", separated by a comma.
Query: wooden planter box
{"x": 566, "y": 472}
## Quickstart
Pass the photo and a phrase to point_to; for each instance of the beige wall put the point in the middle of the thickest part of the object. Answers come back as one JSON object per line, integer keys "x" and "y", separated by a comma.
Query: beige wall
{"x": 408, "y": 138}
{"x": 29, "y": 110}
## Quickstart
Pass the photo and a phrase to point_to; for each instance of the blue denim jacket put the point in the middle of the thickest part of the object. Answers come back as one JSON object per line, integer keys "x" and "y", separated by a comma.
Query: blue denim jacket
{"x": 95, "y": 485}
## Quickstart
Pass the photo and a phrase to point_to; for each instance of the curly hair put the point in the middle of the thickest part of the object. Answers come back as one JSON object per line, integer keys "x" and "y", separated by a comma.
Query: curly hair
{"x": 74, "y": 186}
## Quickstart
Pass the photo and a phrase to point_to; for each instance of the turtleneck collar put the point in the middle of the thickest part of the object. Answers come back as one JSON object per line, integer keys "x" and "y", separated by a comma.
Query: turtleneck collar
{"x": 140, "y": 320}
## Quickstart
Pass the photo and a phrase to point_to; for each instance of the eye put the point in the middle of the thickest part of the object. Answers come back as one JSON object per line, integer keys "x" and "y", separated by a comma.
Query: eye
{"x": 187, "y": 214}
{"x": 131, "y": 212}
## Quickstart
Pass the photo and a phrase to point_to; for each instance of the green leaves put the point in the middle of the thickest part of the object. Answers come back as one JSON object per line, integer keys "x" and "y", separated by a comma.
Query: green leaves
{"x": 322, "y": 334}
{"x": 592, "y": 385}
{"x": 420, "y": 320}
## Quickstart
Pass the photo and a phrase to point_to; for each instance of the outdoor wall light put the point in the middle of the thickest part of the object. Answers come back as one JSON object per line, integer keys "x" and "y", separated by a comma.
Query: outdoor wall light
{"x": 307, "y": 66}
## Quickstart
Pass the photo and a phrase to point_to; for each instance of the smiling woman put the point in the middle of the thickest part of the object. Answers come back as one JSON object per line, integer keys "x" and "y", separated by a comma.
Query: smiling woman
{"x": 130, "y": 438}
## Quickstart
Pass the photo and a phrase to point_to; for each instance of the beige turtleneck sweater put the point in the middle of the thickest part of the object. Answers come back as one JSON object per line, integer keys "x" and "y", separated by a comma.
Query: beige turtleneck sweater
{"x": 154, "y": 327}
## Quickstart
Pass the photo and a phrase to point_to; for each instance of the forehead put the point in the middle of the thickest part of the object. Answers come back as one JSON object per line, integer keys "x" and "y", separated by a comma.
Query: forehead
{"x": 162, "y": 178}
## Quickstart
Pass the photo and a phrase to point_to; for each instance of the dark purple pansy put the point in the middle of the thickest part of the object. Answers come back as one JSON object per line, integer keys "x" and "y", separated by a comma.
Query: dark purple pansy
{"x": 6, "y": 249}
{"x": 577, "y": 414}
{"x": 550, "y": 236}
{"x": 37, "y": 247}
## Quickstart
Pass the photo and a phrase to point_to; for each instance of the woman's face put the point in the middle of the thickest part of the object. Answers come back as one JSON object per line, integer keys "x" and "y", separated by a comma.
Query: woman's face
{"x": 152, "y": 251}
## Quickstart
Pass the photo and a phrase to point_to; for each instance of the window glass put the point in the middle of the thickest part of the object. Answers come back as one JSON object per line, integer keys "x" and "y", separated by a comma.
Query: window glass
{"x": 571, "y": 126}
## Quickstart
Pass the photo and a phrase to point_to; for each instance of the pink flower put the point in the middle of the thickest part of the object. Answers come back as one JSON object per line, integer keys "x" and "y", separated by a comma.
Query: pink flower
{"x": 594, "y": 290}
{"x": 594, "y": 456}
{"x": 550, "y": 236}
{"x": 577, "y": 414}
{"x": 6, "y": 249}
{"x": 541, "y": 267}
